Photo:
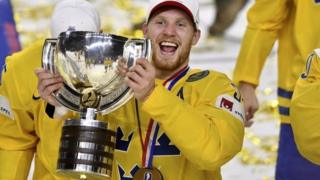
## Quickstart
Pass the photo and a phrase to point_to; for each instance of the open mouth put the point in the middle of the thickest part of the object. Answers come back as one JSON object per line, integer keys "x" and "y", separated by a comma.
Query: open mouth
{"x": 168, "y": 47}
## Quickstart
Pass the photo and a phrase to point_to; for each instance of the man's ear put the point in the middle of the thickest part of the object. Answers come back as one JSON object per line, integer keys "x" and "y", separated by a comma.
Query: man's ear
{"x": 145, "y": 29}
{"x": 196, "y": 37}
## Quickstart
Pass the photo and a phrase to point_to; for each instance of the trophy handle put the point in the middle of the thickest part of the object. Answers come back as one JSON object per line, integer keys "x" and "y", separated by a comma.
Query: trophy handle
{"x": 66, "y": 96}
{"x": 48, "y": 53}
{"x": 137, "y": 48}
{"x": 147, "y": 49}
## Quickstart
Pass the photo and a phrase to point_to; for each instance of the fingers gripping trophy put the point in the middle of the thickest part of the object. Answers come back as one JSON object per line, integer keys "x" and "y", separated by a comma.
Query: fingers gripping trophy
{"x": 87, "y": 62}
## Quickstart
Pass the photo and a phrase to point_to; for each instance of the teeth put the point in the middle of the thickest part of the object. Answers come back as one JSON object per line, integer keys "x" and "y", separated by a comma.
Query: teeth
{"x": 165, "y": 43}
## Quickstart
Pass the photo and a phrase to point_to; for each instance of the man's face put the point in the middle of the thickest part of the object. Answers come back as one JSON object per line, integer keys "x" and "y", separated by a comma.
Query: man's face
{"x": 172, "y": 34}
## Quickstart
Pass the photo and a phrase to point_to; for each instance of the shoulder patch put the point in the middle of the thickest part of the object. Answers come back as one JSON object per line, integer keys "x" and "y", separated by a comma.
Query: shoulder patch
{"x": 5, "y": 108}
{"x": 231, "y": 105}
{"x": 197, "y": 76}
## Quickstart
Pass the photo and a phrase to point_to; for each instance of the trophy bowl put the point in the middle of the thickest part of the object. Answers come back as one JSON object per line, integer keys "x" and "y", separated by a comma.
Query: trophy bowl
{"x": 87, "y": 62}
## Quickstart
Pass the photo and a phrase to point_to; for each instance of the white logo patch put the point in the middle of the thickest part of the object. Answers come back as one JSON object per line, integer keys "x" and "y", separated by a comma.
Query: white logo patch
{"x": 5, "y": 108}
{"x": 231, "y": 105}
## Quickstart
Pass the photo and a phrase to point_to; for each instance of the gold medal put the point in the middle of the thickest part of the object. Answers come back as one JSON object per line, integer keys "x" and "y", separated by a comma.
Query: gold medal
{"x": 148, "y": 174}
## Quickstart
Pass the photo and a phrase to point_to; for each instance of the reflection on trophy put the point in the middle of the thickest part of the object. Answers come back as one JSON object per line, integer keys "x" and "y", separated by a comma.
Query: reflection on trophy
{"x": 87, "y": 61}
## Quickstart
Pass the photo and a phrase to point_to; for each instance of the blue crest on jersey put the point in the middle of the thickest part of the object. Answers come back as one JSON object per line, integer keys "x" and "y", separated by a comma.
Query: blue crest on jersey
{"x": 122, "y": 172}
{"x": 165, "y": 148}
{"x": 122, "y": 145}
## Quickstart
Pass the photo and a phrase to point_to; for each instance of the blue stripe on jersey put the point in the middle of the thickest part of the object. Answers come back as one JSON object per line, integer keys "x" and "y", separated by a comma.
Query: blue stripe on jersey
{"x": 284, "y": 93}
{"x": 183, "y": 73}
{"x": 290, "y": 164}
{"x": 317, "y": 1}
{"x": 284, "y": 110}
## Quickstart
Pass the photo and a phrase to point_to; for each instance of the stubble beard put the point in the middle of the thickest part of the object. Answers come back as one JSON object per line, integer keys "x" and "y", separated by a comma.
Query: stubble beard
{"x": 171, "y": 65}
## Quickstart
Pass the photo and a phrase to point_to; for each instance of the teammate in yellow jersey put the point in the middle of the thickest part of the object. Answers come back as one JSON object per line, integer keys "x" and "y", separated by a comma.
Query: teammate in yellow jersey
{"x": 199, "y": 113}
{"x": 306, "y": 98}
{"x": 294, "y": 24}
{"x": 23, "y": 119}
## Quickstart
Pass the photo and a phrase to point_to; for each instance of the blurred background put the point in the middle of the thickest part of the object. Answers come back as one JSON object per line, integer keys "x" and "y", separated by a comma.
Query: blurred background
{"x": 23, "y": 22}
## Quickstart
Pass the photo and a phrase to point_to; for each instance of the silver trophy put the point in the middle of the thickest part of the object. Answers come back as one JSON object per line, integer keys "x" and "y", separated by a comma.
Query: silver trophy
{"x": 87, "y": 61}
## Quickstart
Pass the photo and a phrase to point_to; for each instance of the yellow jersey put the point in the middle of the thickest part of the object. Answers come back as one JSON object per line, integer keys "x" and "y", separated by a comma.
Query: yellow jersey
{"x": 305, "y": 110}
{"x": 294, "y": 24}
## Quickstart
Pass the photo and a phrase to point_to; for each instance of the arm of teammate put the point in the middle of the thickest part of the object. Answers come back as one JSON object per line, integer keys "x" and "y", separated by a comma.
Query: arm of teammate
{"x": 265, "y": 20}
{"x": 251, "y": 104}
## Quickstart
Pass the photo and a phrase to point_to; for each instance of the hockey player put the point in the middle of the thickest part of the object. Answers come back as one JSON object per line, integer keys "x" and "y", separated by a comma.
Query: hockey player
{"x": 194, "y": 118}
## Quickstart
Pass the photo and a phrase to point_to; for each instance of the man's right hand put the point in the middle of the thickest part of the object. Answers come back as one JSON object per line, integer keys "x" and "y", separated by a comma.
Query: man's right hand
{"x": 251, "y": 104}
{"x": 47, "y": 84}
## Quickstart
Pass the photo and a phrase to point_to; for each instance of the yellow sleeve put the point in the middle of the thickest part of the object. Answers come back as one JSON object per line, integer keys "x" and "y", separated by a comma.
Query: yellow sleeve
{"x": 206, "y": 126}
{"x": 17, "y": 132}
{"x": 265, "y": 20}
{"x": 16, "y": 141}
{"x": 15, "y": 164}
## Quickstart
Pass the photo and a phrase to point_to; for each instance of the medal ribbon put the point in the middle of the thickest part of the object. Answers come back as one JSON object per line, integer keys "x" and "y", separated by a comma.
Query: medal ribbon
{"x": 148, "y": 146}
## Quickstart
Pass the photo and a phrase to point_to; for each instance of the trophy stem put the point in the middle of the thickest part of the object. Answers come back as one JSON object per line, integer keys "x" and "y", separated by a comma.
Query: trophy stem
{"x": 88, "y": 114}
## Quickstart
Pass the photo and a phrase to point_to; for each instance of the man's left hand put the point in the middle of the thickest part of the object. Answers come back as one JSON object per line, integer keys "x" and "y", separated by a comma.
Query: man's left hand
{"x": 141, "y": 79}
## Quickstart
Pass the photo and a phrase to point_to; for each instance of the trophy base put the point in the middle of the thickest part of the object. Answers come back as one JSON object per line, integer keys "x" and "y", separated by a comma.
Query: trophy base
{"x": 77, "y": 173}
{"x": 86, "y": 150}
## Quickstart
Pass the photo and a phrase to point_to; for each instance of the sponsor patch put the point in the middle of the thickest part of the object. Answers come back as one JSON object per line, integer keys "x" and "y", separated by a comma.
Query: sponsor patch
{"x": 231, "y": 105}
{"x": 5, "y": 108}
{"x": 198, "y": 76}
